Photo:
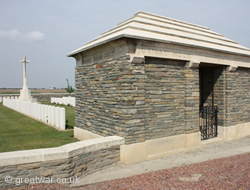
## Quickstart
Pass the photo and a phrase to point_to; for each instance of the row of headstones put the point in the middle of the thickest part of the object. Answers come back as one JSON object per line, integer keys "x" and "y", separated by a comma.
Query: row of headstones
{"x": 64, "y": 101}
{"x": 8, "y": 97}
{"x": 51, "y": 115}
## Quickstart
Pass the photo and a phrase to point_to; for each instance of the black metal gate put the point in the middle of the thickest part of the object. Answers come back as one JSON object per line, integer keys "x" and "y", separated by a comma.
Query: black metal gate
{"x": 208, "y": 122}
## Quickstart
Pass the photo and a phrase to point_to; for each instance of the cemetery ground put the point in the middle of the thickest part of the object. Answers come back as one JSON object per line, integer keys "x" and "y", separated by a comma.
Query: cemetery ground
{"x": 19, "y": 132}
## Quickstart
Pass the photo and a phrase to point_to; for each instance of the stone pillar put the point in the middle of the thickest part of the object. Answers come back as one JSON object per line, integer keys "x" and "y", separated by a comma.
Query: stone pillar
{"x": 219, "y": 93}
{"x": 191, "y": 116}
{"x": 230, "y": 97}
{"x": 135, "y": 100}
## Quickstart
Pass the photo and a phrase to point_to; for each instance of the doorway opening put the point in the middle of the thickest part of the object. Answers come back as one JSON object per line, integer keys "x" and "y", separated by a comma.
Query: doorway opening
{"x": 210, "y": 88}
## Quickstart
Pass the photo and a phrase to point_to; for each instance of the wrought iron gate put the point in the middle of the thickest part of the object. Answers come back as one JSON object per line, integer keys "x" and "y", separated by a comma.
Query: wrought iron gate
{"x": 208, "y": 122}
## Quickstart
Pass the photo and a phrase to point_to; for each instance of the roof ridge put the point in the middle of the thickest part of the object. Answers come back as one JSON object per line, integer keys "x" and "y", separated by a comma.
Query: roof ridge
{"x": 116, "y": 29}
{"x": 172, "y": 19}
{"x": 169, "y": 21}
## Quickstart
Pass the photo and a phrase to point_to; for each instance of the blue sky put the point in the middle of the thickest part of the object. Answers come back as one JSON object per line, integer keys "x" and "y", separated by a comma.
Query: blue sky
{"x": 46, "y": 30}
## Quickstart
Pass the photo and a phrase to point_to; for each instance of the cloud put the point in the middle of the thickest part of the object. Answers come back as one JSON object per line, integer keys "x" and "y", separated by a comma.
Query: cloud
{"x": 11, "y": 35}
{"x": 33, "y": 36}
{"x": 15, "y": 35}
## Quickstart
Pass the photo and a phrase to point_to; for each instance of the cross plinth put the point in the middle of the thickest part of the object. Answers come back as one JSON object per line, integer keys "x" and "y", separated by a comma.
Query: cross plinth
{"x": 25, "y": 92}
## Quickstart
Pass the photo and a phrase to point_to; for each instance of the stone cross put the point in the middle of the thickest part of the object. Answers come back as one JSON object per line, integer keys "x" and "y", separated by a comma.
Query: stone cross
{"x": 25, "y": 94}
{"x": 24, "y": 61}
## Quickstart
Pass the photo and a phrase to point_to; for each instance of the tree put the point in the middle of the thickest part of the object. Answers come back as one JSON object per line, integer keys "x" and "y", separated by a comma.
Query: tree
{"x": 69, "y": 89}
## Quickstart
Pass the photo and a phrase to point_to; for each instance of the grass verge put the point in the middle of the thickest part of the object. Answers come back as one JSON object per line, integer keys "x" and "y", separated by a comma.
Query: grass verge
{"x": 18, "y": 132}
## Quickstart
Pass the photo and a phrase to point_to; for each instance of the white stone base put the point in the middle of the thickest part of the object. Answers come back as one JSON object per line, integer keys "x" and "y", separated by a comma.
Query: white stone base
{"x": 82, "y": 134}
{"x": 237, "y": 131}
{"x": 25, "y": 95}
{"x": 157, "y": 148}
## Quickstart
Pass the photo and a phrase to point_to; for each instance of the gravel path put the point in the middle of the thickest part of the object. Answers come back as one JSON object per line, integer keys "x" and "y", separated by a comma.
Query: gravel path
{"x": 225, "y": 173}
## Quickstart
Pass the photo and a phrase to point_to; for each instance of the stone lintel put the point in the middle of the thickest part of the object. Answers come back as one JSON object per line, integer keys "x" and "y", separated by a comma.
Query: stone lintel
{"x": 137, "y": 58}
{"x": 232, "y": 68}
{"x": 192, "y": 64}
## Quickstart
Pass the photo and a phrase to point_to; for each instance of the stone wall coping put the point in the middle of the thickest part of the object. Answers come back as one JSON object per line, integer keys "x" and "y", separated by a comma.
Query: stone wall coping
{"x": 62, "y": 152}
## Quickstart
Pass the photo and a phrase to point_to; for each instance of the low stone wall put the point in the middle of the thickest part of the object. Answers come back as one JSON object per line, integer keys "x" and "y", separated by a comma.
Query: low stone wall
{"x": 41, "y": 97}
{"x": 64, "y": 100}
{"x": 61, "y": 164}
{"x": 47, "y": 96}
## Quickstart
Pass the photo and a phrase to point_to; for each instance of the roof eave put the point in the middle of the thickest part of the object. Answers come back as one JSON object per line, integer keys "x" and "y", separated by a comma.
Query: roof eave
{"x": 82, "y": 49}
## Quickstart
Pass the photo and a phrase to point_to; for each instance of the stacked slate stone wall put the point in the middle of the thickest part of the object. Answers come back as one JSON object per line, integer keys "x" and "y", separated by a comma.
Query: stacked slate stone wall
{"x": 192, "y": 99}
{"x": 138, "y": 101}
{"x": 109, "y": 97}
{"x": 232, "y": 95}
{"x": 243, "y": 95}
{"x": 164, "y": 98}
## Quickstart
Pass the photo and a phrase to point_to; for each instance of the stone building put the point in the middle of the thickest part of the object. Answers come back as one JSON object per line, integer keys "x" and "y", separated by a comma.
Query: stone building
{"x": 162, "y": 84}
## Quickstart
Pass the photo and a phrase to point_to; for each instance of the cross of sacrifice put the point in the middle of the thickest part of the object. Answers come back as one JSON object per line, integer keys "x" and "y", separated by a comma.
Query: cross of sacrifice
{"x": 24, "y": 61}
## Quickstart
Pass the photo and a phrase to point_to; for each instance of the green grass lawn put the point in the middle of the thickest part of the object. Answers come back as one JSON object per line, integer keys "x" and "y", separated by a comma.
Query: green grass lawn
{"x": 17, "y": 93}
{"x": 70, "y": 114}
{"x": 18, "y": 132}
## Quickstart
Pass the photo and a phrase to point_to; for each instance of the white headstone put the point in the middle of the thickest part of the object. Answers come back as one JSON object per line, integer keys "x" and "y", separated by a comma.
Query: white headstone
{"x": 53, "y": 116}
{"x": 57, "y": 117}
{"x": 62, "y": 118}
